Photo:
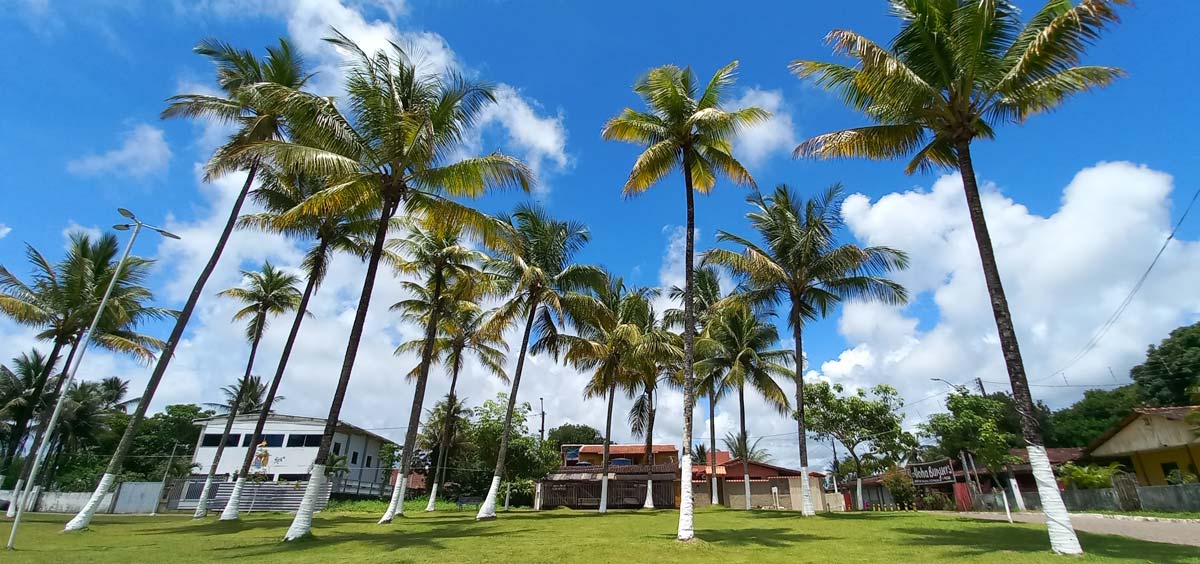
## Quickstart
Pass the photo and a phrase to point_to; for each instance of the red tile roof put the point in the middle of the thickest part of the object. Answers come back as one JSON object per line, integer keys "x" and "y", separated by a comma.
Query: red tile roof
{"x": 1056, "y": 455}
{"x": 623, "y": 450}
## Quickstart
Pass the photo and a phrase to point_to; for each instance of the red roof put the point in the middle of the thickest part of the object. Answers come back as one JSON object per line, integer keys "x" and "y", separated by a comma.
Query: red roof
{"x": 782, "y": 471}
{"x": 620, "y": 450}
{"x": 722, "y": 457}
{"x": 1057, "y": 456}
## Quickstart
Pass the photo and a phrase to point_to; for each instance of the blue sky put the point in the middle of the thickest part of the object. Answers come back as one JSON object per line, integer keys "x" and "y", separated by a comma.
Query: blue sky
{"x": 81, "y": 136}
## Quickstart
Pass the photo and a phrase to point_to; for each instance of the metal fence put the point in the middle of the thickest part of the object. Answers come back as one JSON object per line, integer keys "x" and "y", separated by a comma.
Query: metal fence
{"x": 622, "y": 494}
{"x": 184, "y": 495}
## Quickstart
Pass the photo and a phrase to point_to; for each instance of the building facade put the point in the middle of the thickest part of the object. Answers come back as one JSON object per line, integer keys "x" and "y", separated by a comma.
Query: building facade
{"x": 290, "y": 448}
{"x": 1154, "y": 441}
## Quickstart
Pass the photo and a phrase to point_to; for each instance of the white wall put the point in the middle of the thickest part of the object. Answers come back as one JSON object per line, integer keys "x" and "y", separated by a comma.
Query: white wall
{"x": 284, "y": 459}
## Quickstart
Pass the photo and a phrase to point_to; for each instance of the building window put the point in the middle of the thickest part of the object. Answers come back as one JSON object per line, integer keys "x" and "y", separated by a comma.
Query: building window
{"x": 214, "y": 439}
{"x": 291, "y": 477}
{"x": 368, "y": 463}
{"x": 354, "y": 457}
{"x": 304, "y": 441}
{"x": 1167, "y": 468}
{"x": 337, "y": 448}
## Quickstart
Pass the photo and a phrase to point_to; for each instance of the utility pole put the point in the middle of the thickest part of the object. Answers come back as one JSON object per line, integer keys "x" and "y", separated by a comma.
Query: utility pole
{"x": 542, "y": 407}
{"x": 979, "y": 382}
{"x": 833, "y": 442}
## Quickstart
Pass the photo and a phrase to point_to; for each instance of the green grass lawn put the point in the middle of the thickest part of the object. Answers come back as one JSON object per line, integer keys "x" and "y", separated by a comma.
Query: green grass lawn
{"x": 726, "y": 536}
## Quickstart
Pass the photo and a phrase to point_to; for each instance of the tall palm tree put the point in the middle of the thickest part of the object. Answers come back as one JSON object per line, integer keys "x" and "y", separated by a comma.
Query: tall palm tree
{"x": 390, "y": 151}
{"x": 684, "y": 128}
{"x": 267, "y": 292}
{"x": 801, "y": 261}
{"x": 331, "y": 229}
{"x": 464, "y": 334}
{"x": 739, "y": 446}
{"x": 237, "y": 72}
{"x": 613, "y": 343}
{"x": 736, "y": 346}
{"x": 534, "y": 267}
{"x": 434, "y": 251}
{"x": 18, "y": 392}
{"x": 644, "y": 411}
{"x": 955, "y": 71}
{"x": 247, "y": 395}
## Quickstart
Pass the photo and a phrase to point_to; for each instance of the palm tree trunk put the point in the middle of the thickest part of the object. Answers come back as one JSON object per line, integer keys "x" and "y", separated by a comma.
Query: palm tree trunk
{"x": 612, "y": 393}
{"x": 487, "y": 510}
{"x": 444, "y": 444}
{"x": 302, "y": 523}
{"x": 806, "y": 502}
{"x": 712, "y": 449}
{"x": 649, "y": 504}
{"x": 745, "y": 444}
{"x": 202, "y": 507}
{"x": 231, "y": 511}
{"x": 687, "y": 529}
{"x": 84, "y": 517}
{"x": 44, "y": 420}
{"x": 414, "y": 416}
{"x": 1062, "y": 534}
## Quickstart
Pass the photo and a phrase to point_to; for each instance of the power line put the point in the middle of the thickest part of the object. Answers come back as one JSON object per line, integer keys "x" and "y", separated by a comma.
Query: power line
{"x": 1112, "y": 319}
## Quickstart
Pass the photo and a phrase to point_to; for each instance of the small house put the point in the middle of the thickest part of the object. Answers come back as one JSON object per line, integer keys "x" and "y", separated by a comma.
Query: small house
{"x": 1154, "y": 441}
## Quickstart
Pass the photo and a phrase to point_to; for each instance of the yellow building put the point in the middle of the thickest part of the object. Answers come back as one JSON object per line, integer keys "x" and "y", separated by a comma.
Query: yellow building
{"x": 1154, "y": 440}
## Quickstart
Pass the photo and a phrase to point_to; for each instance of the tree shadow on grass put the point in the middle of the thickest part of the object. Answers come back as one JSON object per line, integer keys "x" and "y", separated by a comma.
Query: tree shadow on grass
{"x": 987, "y": 539}
{"x": 434, "y": 537}
{"x": 770, "y": 538}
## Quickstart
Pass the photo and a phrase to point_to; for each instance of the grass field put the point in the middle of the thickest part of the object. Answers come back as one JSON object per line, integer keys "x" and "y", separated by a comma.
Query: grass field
{"x": 726, "y": 536}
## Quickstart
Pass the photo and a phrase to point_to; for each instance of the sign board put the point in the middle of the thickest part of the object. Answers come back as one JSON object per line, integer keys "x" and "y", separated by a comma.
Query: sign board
{"x": 931, "y": 473}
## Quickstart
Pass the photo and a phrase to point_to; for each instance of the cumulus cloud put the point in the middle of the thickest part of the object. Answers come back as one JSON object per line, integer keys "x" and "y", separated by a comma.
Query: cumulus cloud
{"x": 4, "y": 230}
{"x": 143, "y": 152}
{"x": 777, "y": 135}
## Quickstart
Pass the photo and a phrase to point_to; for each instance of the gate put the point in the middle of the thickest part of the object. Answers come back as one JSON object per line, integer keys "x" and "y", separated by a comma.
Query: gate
{"x": 137, "y": 497}
{"x": 1127, "y": 495}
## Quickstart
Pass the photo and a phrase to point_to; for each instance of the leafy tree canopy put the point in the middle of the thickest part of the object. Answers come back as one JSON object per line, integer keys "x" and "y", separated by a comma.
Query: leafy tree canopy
{"x": 864, "y": 424}
{"x": 1088, "y": 418}
{"x": 1170, "y": 368}
{"x": 973, "y": 424}
{"x": 574, "y": 434}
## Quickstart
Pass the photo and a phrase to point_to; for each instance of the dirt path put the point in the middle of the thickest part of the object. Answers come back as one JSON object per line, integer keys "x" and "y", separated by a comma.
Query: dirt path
{"x": 1155, "y": 531}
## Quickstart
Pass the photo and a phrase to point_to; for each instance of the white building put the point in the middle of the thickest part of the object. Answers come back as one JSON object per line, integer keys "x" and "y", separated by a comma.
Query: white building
{"x": 291, "y": 448}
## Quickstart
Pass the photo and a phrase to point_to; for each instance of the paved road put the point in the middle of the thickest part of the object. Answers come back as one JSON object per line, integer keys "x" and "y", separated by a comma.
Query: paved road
{"x": 1156, "y": 531}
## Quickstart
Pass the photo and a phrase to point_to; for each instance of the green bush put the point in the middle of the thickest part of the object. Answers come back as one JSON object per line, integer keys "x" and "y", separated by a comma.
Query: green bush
{"x": 1090, "y": 477}
{"x": 900, "y": 484}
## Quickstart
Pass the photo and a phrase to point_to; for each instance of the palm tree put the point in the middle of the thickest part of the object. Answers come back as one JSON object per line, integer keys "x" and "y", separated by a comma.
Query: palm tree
{"x": 435, "y": 251}
{"x": 736, "y": 346}
{"x": 535, "y": 268}
{"x": 268, "y": 292}
{"x": 463, "y": 333}
{"x": 701, "y": 453}
{"x": 643, "y": 412}
{"x": 237, "y": 72}
{"x": 247, "y": 395}
{"x": 953, "y": 72}
{"x": 612, "y": 342}
{"x": 687, "y": 129}
{"x": 332, "y": 229}
{"x": 61, "y": 299}
{"x": 802, "y": 262}
{"x": 739, "y": 446}
{"x": 389, "y": 151}
{"x": 18, "y": 392}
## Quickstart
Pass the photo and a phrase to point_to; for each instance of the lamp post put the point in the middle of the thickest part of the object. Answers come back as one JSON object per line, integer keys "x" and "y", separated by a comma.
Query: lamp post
{"x": 42, "y": 449}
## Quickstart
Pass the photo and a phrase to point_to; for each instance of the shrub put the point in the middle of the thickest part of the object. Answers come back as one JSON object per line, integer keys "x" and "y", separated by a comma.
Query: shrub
{"x": 900, "y": 484}
{"x": 936, "y": 501}
{"x": 1090, "y": 477}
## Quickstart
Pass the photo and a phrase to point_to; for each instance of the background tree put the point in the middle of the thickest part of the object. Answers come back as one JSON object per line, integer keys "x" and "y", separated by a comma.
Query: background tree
{"x": 684, "y": 127}
{"x": 972, "y": 426}
{"x": 1170, "y": 368}
{"x": 534, "y": 268}
{"x": 864, "y": 425}
{"x": 803, "y": 262}
{"x": 739, "y": 446}
{"x": 573, "y": 434}
{"x": 1085, "y": 420}
{"x": 954, "y": 71}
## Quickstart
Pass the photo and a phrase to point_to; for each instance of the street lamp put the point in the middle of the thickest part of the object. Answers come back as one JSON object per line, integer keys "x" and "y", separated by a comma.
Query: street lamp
{"x": 42, "y": 449}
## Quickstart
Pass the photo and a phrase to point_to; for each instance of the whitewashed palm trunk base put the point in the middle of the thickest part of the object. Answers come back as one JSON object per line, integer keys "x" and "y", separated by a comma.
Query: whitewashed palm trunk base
{"x": 84, "y": 517}
{"x": 1016, "y": 490}
{"x": 29, "y": 500}
{"x": 746, "y": 488}
{"x": 1058, "y": 522}
{"x": 806, "y": 501}
{"x": 715, "y": 498}
{"x": 302, "y": 522}
{"x": 862, "y": 503}
{"x": 649, "y": 504}
{"x": 487, "y": 510}
{"x": 1007, "y": 511}
{"x": 232, "y": 511}
{"x": 687, "y": 508}
{"x": 431, "y": 506}
{"x": 604, "y": 494}
{"x": 202, "y": 506}
{"x": 537, "y": 497}
{"x": 396, "y": 505}
{"x": 507, "y": 495}
{"x": 14, "y": 499}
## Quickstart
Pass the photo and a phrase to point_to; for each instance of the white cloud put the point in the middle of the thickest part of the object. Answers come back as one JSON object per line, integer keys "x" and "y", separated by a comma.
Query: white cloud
{"x": 755, "y": 144}
{"x": 4, "y": 230}
{"x": 72, "y": 228}
{"x": 143, "y": 152}
{"x": 1064, "y": 274}
{"x": 540, "y": 139}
